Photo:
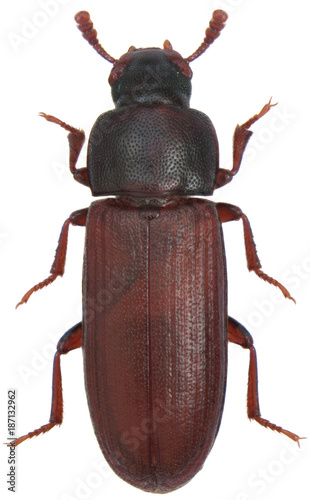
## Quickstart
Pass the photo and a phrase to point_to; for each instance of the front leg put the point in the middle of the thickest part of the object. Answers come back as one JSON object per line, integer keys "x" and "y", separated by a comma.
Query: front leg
{"x": 76, "y": 140}
{"x": 241, "y": 138}
{"x": 228, "y": 213}
{"x": 77, "y": 218}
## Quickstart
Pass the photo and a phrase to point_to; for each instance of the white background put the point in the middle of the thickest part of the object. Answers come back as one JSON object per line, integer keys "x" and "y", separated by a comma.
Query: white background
{"x": 263, "y": 51}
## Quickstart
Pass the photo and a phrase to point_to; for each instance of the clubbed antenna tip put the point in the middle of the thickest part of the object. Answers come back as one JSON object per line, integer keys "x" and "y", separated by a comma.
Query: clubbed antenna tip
{"x": 216, "y": 25}
{"x": 85, "y": 25}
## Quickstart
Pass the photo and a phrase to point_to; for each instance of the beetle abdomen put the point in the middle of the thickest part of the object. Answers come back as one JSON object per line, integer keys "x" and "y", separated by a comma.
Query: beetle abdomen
{"x": 152, "y": 150}
{"x": 155, "y": 351}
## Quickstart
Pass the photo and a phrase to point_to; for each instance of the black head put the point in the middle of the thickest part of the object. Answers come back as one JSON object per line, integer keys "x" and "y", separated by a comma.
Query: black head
{"x": 151, "y": 75}
{"x": 164, "y": 71}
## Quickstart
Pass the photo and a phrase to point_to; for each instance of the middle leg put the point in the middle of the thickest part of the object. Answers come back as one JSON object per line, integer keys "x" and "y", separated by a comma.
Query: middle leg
{"x": 77, "y": 218}
{"x": 228, "y": 213}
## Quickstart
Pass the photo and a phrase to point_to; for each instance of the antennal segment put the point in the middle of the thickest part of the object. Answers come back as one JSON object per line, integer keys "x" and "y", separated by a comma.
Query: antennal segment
{"x": 216, "y": 25}
{"x": 85, "y": 25}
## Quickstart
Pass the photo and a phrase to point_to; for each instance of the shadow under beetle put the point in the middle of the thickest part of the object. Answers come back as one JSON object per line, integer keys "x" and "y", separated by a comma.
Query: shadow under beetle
{"x": 155, "y": 326}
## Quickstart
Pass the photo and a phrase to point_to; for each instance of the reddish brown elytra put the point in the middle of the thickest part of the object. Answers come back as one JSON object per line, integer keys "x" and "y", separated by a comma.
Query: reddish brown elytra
{"x": 155, "y": 327}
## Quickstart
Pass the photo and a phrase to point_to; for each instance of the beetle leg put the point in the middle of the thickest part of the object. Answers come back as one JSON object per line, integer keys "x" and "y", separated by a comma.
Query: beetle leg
{"x": 77, "y": 218}
{"x": 72, "y": 339}
{"x": 238, "y": 334}
{"x": 229, "y": 213}
{"x": 242, "y": 135}
{"x": 76, "y": 140}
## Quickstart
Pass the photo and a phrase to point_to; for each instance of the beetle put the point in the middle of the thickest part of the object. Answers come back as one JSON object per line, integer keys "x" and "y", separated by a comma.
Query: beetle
{"x": 155, "y": 326}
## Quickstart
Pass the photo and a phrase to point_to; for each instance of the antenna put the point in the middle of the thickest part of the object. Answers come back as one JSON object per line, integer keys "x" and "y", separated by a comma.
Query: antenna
{"x": 216, "y": 25}
{"x": 85, "y": 25}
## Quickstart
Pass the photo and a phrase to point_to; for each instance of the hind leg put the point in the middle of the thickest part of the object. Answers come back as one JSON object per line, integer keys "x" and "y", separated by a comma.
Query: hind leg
{"x": 72, "y": 339}
{"x": 239, "y": 335}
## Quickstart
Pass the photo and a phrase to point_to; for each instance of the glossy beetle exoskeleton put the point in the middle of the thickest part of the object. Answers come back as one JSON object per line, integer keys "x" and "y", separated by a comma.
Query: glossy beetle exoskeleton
{"x": 155, "y": 350}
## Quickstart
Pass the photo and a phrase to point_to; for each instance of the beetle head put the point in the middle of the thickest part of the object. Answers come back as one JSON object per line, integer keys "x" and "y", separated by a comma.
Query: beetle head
{"x": 151, "y": 75}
